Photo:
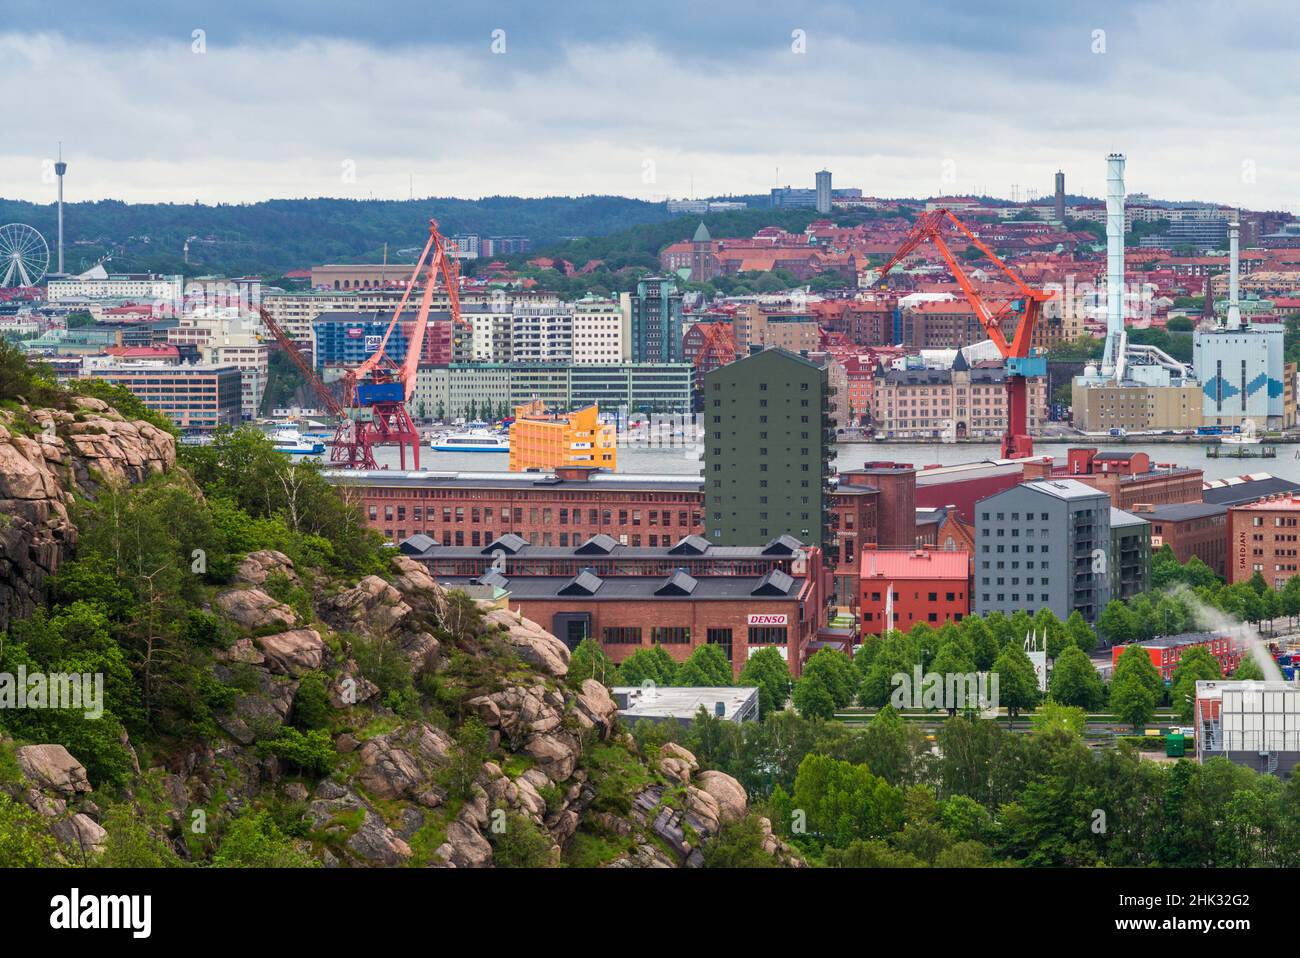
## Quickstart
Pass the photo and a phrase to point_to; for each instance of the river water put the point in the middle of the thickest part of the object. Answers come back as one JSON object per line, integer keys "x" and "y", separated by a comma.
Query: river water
{"x": 681, "y": 460}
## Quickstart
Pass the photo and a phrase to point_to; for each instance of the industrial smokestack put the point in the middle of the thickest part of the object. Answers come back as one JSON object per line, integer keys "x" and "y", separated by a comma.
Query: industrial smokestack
{"x": 1234, "y": 264}
{"x": 1060, "y": 197}
{"x": 59, "y": 169}
{"x": 1113, "y": 360}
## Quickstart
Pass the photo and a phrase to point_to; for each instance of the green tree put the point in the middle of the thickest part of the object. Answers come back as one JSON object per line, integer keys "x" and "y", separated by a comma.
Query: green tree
{"x": 1117, "y": 623}
{"x": 706, "y": 666}
{"x": 840, "y": 802}
{"x": 648, "y": 665}
{"x": 467, "y": 759}
{"x": 589, "y": 661}
{"x": 767, "y": 670}
{"x": 253, "y": 840}
{"x": 1017, "y": 681}
{"x": 131, "y": 844}
{"x": 834, "y": 670}
{"x": 813, "y": 699}
{"x": 1134, "y": 687}
{"x": 311, "y": 703}
{"x": 1076, "y": 681}
{"x": 1248, "y": 670}
{"x": 1053, "y": 716}
{"x": 739, "y": 844}
{"x": 521, "y": 844}
{"x": 1079, "y": 632}
{"x": 1195, "y": 664}
{"x": 982, "y": 640}
{"x": 25, "y": 839}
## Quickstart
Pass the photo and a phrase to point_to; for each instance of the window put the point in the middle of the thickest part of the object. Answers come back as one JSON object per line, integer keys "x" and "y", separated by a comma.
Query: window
{"x": 767, "y": 635}
{"x": 720, "y": 637}
{"x": 622, "y": 635}
{"x": 670, "y": 635}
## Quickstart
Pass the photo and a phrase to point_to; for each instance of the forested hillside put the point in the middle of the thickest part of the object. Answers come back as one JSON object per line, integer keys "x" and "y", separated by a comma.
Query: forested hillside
{"x": 278, "y": 235}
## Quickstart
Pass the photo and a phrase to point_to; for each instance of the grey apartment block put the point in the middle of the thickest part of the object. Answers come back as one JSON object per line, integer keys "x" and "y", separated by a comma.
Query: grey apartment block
{"x": 1043, "y": 544}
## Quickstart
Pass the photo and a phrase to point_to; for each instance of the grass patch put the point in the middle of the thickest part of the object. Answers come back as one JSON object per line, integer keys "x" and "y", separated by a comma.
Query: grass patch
{"x": 617, "y": 776}
{"x": 589, "y": 850}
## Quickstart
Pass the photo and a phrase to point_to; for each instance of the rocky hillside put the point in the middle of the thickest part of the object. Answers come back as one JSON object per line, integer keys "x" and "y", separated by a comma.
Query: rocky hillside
{"x": 375, "y": 720}
{"x": 555, "y": 762}
{"x": 47, "y": 457}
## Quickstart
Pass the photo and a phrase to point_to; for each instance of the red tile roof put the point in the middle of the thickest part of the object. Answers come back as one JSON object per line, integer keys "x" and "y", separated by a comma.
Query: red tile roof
{"x": 915, "y": 564}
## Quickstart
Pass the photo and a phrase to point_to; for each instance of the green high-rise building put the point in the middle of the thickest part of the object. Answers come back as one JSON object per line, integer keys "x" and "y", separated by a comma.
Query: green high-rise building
{"x": 768, "y": 445}
{"x": 656, "y": 321}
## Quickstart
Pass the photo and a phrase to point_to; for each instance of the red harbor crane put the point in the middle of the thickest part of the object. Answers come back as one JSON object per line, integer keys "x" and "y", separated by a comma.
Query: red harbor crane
{"x": 377, "y": 391}
{"x": 1022, "y": 310}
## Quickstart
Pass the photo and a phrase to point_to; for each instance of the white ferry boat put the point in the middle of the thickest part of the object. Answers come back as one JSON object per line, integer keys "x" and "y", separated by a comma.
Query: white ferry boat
{"x": 470, "y": 442}
{"x": 294, "y": 443}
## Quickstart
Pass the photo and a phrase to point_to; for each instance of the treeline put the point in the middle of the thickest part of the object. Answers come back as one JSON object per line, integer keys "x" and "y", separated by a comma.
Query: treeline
{"x": 979, "y": 795}
{"x": 270, "y": 237}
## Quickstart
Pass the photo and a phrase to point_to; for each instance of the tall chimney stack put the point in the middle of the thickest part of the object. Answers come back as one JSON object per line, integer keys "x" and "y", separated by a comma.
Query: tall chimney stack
{"x": 1113, "y": 360}
{"x": 1234, "y": 264}
{"x": 1059, "y": 209}
{"x": 59, "y": 169}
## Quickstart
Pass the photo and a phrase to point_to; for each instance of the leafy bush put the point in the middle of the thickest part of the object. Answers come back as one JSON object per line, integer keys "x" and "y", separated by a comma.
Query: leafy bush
{"x": 253, "y": 840}
{"x": 521, "y": 844}
{"x": 311, "y": 703}
{"x": 470, "y": 754}
{"x": 25, "y": 840}
{"x": 130, "y": 843}
{"x": 383, "y": 663}
{"x": 311, "y": 751}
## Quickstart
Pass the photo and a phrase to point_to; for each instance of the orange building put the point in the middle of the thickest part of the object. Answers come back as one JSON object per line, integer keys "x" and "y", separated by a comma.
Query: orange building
{"x": 542, "y": 440}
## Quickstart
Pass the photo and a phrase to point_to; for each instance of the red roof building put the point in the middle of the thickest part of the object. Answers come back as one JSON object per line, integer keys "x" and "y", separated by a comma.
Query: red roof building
{"x": 927, "y": 586}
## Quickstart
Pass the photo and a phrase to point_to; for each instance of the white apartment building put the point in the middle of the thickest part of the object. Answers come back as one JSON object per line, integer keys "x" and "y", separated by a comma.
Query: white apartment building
{"x": 296, "y": 311}
{"x": 98, "y": 283}
{"x": 597, "y": 332}
{"x": 542, "y": 334}
{"x": 490, "y": 331}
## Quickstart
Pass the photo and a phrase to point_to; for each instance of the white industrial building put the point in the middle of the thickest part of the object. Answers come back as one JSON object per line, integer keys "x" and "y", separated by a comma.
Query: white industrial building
{"x": 1256, "y": 724}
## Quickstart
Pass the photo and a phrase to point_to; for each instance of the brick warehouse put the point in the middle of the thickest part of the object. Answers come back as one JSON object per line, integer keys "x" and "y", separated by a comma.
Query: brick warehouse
{"x": 1264, "y": 537}
{"x": 736, "y": 597}
{"x": 570, "y": 505}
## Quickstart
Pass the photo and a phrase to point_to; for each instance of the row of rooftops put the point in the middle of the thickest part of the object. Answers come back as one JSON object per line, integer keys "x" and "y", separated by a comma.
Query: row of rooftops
{"x": 693, "y": 546}
{"x": 774, "y": 584}
{"x": 1241, "y": 490}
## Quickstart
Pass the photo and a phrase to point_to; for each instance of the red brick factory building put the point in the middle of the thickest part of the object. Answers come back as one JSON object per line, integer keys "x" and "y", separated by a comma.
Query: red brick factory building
{"x": 871, "y": 506}
{"x": 682, "y": 596}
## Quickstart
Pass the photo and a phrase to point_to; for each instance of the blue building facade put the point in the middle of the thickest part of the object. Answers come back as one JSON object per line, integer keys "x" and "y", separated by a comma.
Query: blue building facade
{"x": 348, "y": 339}
{"x": 1241, "y": 372}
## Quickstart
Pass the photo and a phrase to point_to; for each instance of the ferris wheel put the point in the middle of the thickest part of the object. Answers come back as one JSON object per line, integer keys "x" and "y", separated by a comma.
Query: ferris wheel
{"x": 24, "y": 255}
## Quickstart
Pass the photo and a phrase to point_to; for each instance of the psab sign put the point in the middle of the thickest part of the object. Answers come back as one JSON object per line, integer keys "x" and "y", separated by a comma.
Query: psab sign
{"x": 767, "y": 618}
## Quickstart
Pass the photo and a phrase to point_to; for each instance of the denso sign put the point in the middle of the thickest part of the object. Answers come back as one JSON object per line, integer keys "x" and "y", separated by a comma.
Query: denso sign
{"x": 767, "y": 618}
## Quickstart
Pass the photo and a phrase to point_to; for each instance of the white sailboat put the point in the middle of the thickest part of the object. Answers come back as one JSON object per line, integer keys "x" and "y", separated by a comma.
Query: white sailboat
{"x": 1247, "y": 436}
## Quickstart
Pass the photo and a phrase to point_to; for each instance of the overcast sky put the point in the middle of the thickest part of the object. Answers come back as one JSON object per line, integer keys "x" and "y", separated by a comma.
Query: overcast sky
{"x": 650, "y": 100}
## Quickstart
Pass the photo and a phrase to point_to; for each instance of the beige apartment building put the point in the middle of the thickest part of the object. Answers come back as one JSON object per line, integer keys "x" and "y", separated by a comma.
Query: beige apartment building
{"x": 601, "y": 332}
{"x": 797, "y": 333}
{"x": 956, "y": 403}
{"x": 1136, "y": 407}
